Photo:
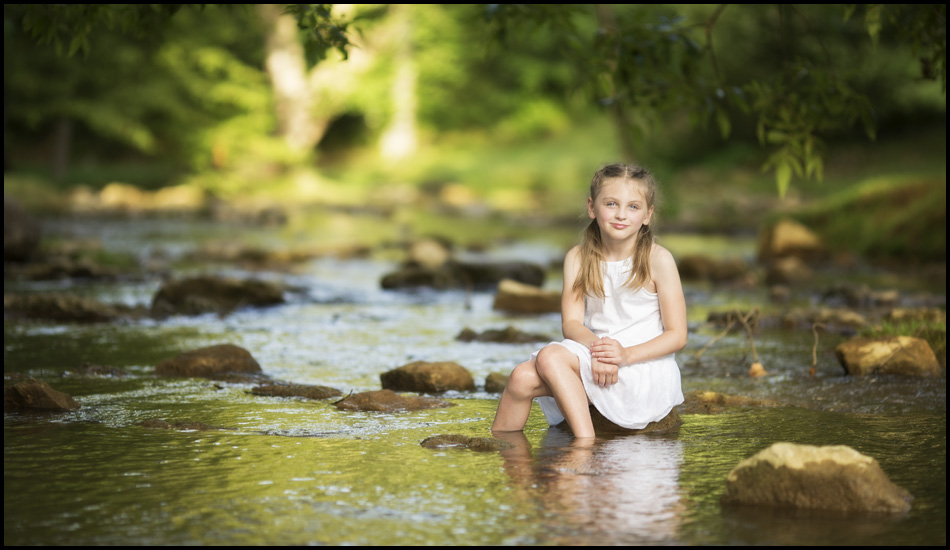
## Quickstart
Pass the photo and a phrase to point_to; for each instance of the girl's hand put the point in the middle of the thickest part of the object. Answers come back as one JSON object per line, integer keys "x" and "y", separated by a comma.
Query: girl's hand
{"x": 607, "y": 350}
{"x": 605, "y": 374}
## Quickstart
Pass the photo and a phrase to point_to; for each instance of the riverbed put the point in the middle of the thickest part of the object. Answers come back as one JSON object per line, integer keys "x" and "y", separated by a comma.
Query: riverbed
{"x": 301, "y": 472}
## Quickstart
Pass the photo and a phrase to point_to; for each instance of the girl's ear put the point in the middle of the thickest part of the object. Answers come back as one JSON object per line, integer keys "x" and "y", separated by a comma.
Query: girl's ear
{"x": 646, "y": 219}
{"x": 590, "y": 208}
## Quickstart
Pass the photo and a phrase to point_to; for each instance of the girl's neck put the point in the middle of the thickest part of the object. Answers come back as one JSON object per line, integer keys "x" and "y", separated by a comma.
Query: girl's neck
{"x": 617, "y": 254}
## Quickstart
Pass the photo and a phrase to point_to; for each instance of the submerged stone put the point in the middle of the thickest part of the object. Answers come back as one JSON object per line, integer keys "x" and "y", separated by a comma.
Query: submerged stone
{"x": 212, "y": 294}
{"x": 805, "y": 476}
{"x": 296, "y": 390}
{"x": 389, "y": 401}
{"x": 602, "y": 426}
{"x": 517, "y": 297}
{"x": 209, "y": 362}
{"x": 36, "y": 395}
{"x": 507, "y": 335}
{"x": 479, "y": 444}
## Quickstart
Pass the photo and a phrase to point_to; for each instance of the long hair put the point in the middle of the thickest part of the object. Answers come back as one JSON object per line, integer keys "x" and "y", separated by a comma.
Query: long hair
{"x": 590, "y": 280}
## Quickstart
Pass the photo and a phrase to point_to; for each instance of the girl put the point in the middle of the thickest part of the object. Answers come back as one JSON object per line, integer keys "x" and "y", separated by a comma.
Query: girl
{"x": 623, "y": 315}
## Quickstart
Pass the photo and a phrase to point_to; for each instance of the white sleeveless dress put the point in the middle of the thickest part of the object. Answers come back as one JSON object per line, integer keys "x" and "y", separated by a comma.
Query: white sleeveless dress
{"x": 646, "y": 392}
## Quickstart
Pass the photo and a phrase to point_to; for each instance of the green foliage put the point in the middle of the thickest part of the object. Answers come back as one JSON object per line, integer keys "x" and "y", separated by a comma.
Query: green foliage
{"x": 796, "y": 69}
{"x": 886, "y": 218}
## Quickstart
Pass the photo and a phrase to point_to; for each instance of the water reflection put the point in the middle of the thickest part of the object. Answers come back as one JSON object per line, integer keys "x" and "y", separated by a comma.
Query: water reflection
{"x": 623, "y": 490}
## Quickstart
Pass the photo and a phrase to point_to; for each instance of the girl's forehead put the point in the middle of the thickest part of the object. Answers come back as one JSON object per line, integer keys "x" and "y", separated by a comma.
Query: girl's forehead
{"x": 618, "y": 186}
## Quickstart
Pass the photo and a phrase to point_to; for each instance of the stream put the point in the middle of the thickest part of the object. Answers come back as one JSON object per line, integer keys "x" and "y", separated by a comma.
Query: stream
{"x": 288, "y": 471}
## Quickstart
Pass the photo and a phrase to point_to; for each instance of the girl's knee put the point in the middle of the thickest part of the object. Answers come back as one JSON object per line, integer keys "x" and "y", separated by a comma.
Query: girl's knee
{"x": 524, "y": 379}
{"x": 550, "y": 359}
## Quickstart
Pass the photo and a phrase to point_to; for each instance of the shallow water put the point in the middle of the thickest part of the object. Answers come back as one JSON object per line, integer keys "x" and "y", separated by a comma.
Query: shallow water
{"x": 290, "y": 471}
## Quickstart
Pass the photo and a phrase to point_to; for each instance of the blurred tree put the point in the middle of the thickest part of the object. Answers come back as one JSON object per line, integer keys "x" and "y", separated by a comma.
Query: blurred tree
{"x": 797, "y": 69}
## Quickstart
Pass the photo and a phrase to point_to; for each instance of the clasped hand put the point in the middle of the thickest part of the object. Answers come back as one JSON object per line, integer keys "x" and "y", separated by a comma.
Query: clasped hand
{"x": 606, "y": 355}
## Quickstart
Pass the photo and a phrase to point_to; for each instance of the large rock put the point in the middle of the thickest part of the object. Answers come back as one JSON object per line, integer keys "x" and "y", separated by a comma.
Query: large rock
{"x": 21, "y": 232}
{"x": 804, "y": 476}
{"x": 515, "y": 297}
{"x": 63, "y": 308}
{"x": 789, "y": 238}
{"x": 36, "y": 395}
{"x": 904, "y": 355}
{"x": 478, "y": 444}
{"x": 507, "y": 335}
{"x": 461, "y": 275}
{"x": 426, "y": 377}
{"x": 389, "y": 401}
{"x": 212, "y": 294}
{"x": 212, "y": 362}
{"x": 296, "y": 390}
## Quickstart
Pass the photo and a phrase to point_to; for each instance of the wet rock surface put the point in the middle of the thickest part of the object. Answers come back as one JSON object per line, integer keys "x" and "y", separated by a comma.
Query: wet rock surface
{"x": 903, "y": 355}
{"x": 479, "y": 444}
{"x": 36, "y": 395}
{"x": 805, "y": 476}
{"x": 389, "y": 401}
{"x": 212, "y": 362}
{"x": 426, "y": 377}
{"x": 213, "y": 294}
{"x": 296, "y": 390}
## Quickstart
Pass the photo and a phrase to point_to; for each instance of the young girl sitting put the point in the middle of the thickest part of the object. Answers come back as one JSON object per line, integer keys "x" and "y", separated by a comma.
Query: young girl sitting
{"x": 623, "y": 316}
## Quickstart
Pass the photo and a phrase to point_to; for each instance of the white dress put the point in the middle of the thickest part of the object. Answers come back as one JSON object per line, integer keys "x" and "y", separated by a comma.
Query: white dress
{"x": 647, "y": 391}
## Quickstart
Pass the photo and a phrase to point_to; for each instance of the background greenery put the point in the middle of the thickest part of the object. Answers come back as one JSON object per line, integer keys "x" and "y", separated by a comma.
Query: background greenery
{"x": 745, "y": 112}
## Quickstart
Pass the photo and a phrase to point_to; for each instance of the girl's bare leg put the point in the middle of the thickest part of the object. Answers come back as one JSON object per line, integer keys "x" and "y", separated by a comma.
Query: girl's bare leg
{"x": 523, "y": 386}
{"x": 560, "y": 371}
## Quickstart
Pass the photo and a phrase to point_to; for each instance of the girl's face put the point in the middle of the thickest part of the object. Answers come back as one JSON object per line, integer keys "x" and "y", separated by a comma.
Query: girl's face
{"x": 620, "y": 209}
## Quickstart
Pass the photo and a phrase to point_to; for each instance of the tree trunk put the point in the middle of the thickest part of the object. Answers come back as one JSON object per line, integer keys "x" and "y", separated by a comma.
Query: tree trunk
{"x": 287, "y": 68}
{"x": 399, "y": 140}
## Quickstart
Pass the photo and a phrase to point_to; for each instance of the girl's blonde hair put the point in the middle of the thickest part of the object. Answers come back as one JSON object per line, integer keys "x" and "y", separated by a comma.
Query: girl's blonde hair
{"x": 590, "y": 280}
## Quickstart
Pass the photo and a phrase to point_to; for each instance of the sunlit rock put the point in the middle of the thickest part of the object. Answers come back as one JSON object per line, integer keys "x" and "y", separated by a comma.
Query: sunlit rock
{"x": 756, "y": 370}
{"x": 804, "y": 476}
{"x": 426, "y": 377}
{"x": 36, "y": 395}
{"x": 479, "y": 444}
{"x": 389, "y": 401}
{"x": 833, "y": 319}
{"x": 430, "y": 253}
{"x": 210, "y": 362}
{"x": 212, "y": 294}
{"x": 787, "y": 238}
{"x": 904, "y": 355}
{"x": 296, "y": 390}
{"x": 925, "y": 314}
{"x": 516, "y": 297}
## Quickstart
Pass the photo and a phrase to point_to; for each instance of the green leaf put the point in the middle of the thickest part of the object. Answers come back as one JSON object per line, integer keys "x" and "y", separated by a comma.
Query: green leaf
{"x": 783, "y": 177}
{"x": 725, "y": 126}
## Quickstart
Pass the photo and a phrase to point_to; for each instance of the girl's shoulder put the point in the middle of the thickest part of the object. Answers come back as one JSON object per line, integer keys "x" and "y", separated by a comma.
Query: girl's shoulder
{"x": 662, "y": 262}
